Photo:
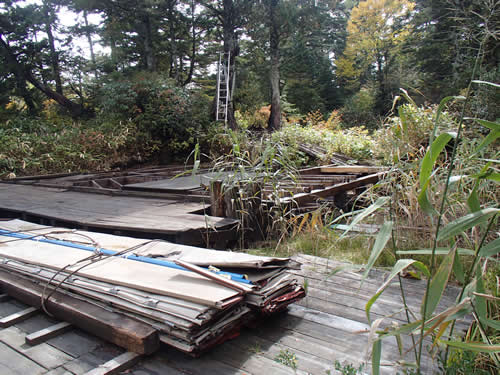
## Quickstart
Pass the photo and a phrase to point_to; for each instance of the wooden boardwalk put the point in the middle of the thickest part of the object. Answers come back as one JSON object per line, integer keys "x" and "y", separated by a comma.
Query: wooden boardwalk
{"x": 174, "y": 220}
{"x": 328, "y": 325}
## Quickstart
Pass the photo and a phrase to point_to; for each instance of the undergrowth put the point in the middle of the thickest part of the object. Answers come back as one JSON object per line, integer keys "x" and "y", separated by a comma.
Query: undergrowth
{"x": 353, "y": 142}
{"x": 30, "y": 146}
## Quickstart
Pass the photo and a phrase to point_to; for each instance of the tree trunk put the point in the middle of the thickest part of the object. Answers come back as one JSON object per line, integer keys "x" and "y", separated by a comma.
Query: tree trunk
{"x": 75, "y": 109}
{"x": 174, "y": 68}
{"x": 381, "y": 84}
{"x": 24, "y": 74}
{"x": 23, "y": 91}
{"x": 91, "y": 44}
{"x": 193, "y": 45}
{"x": 112, "y": 34}
{"x": 149, "y": 57}
{"x": 274, "y": 41}
{"x": 54, "y": 58}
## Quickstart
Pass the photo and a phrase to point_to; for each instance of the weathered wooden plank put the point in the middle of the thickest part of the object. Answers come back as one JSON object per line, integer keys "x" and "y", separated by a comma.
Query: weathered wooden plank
{"x": 121, "y": 363}
{"x": 44, "y": 176}
{"x": 47, "y": 333}
{"x": 45, "y": 355}
{"x": 343, "y": 347}
{"x": 335, "y": 189}
{"x": 118, "y": 329}
{"x": 14, "y": 363}
{"x": 200, "y": 196}
{"x": 182, "y": 183}
{"x": 332, "y": 298}
{"x": 203, "y": 365}
{"x": 102, "y": 211}
{"x": 18, "y": 317}
{"x": 298, "y": 331}
{"x": 351, "y": 281}
{"x": 250, "y": 362}
{"x": 313, "y": 170}
{"x": 304, "y": 362}
{"x": 352, "y": 169}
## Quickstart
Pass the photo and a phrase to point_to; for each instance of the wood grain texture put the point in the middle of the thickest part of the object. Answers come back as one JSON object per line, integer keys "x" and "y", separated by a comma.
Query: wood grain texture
{"x": 47, "y": 333}
{"x": 112, "y": 212}
{"x": 303, "y": 198}
{"x": 17, "y": 317}
{"x": 112, "y": 327}
{"x": 116, "y": 365}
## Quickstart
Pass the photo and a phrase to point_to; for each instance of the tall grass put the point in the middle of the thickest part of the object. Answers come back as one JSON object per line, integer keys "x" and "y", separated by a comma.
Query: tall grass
{"x": 255, "y": 175}
{"x": 446, "y": 178}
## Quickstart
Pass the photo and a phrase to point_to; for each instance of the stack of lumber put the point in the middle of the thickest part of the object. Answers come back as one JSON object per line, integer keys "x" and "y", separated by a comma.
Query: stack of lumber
{"x": 194, "y": 298}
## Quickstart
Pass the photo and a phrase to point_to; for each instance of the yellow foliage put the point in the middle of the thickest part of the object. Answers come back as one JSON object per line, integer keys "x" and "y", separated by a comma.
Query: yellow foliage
{"x": 50, "y": 108}
{"x": 372, "y": 35}
{"x": 334, "y": 121}
{"x": 15, "y": 104}
{"x": 11, "y": 106}
{"x": 315, "y": 119}
{"x": 261, "y": 117}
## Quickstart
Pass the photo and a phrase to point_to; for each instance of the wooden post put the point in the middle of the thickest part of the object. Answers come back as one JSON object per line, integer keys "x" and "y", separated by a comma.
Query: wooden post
{"x": 230, "y": 198}
{"x": 217, "y": 204}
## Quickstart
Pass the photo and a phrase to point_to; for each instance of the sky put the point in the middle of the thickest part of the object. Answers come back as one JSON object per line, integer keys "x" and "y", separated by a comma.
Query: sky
{"x": 68, "y": 18}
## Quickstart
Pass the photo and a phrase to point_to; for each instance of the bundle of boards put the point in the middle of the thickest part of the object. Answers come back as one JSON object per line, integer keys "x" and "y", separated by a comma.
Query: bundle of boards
{"x": 195, "y": 298}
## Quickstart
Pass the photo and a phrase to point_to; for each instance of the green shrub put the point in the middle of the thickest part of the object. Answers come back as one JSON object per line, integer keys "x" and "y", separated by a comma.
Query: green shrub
{"x": 32, "y": 145}
{"x": 406, "y": 136}
{"x": 215, "y": 141}
{"x": 354, "y": 142}
{"x": 359, "y": 109}
{"x": 169, "y": 114}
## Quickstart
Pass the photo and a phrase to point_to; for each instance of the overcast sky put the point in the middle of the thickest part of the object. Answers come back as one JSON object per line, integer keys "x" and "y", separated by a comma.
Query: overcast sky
{"x": 69, "y": 18}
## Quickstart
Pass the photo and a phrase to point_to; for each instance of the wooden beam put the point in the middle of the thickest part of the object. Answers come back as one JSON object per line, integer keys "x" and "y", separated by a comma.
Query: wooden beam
{"x": 17, "y": 317}
{"x": 47, "y": 333}
{"x": 45, "y": 176}
{"x": 313, "y": 170}
{"x": 301, "y": 199}
{"x": 115, "y": 183}
{"x": 116, "y": 365}
{"x": 352, "y": 169}
{"x": 115, "y": 328}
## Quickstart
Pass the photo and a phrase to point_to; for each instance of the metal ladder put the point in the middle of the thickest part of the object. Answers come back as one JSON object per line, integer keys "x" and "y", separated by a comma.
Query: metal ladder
{"x": 223, "y": 86}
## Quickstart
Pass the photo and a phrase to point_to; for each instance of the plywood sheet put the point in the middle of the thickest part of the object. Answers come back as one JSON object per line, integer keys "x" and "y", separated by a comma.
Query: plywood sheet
{"x": 194, "y": 255}
{"x": 146, "y": 277}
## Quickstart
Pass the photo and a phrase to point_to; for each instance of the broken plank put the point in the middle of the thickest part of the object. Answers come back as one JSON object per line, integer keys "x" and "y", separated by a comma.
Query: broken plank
{"x": 116, "y": 365}
{"x": 335, "y": 189}
{"x": 313, "y": 170}
{"x": 47, "y": 333}
{"x": 17, "y": 317}
{"x": 352, "y": 169}
{"x": 115, "y": 328}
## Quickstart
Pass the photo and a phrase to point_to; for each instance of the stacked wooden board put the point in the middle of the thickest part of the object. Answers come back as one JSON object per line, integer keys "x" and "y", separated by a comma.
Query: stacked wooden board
{"x": 194, "y": 298}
